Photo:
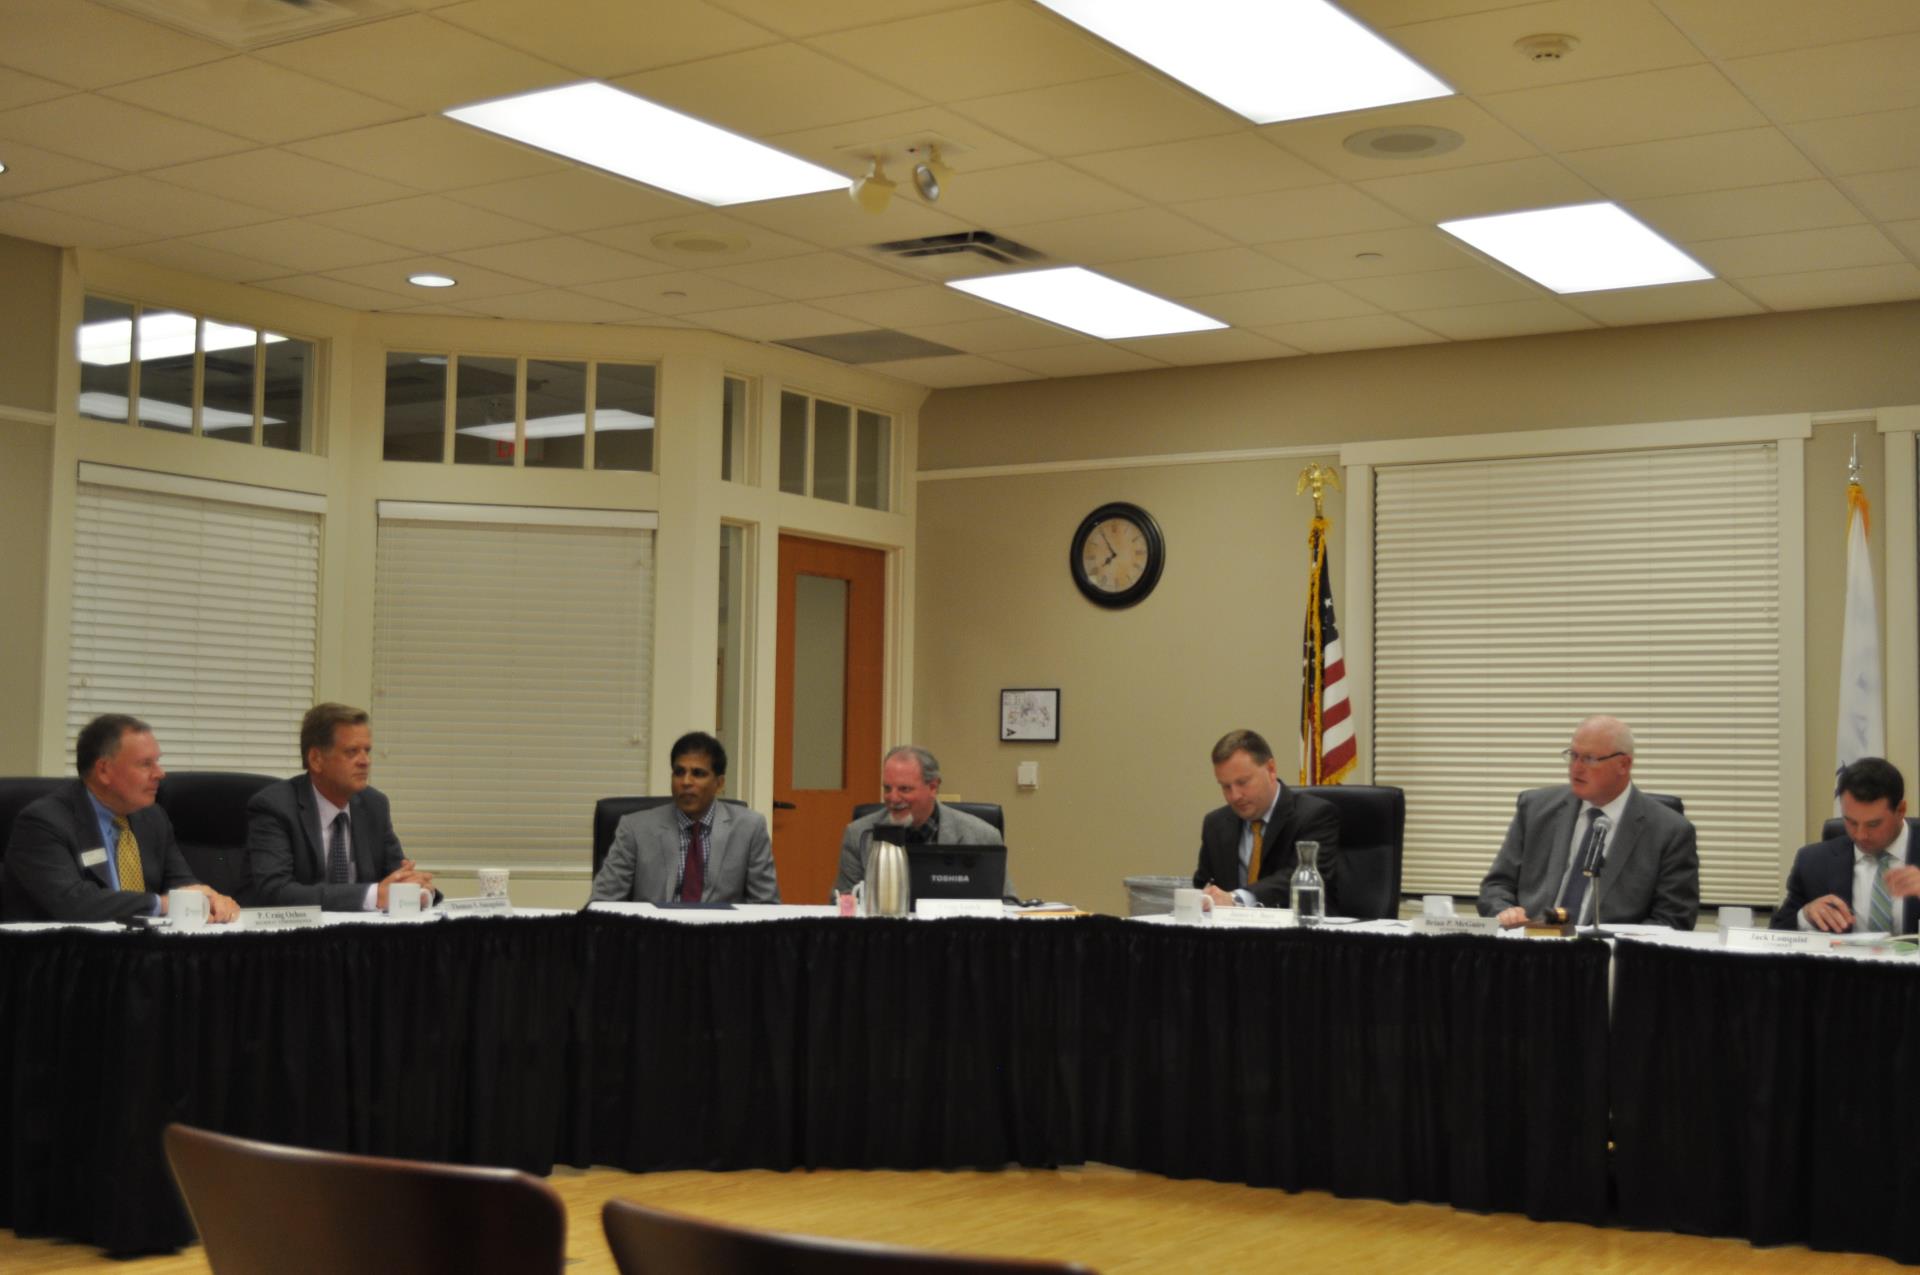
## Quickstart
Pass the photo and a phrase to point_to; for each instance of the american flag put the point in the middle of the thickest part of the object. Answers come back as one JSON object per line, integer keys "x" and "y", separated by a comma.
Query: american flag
{"x": 1326, "y": 719}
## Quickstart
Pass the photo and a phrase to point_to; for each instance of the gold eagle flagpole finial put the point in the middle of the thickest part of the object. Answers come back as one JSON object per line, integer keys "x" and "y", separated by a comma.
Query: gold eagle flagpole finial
{"x": 1317, "y": 477}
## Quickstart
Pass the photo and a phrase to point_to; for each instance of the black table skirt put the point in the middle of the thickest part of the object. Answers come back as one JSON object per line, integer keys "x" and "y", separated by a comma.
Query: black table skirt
{"x": 1457, "y": 1070}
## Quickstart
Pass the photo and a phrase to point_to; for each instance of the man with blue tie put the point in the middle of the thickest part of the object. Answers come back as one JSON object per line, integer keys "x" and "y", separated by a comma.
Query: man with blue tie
{"x": 1863, "y": 879}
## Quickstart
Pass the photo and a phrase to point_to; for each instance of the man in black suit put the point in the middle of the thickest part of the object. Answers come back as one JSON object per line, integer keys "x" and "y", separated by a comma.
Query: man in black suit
{"x": 97, "y": 848}
{"x": 325, "y": 837}
{"x": 1864, "y": 879}
{"x": 1238, "y": 868}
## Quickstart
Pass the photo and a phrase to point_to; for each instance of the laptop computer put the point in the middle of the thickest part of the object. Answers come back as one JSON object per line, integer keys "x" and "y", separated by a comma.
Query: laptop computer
{"x": 956, "y": 872}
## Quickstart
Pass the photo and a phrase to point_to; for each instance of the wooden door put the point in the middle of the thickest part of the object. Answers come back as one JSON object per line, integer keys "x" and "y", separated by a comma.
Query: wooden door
{"x": 826, "y": 749}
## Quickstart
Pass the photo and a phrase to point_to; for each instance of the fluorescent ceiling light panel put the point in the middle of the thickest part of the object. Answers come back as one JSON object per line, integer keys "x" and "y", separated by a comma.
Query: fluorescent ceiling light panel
{"x": 163, "y": 335}
{"x": 1579, "y": 248}
{"x": 1087, "y": 302}
{"x": 103, "y": 406}
{"x": 614, "y": 130}
{"x": 568, "y": 425}
{"x": 1269, "y": 60}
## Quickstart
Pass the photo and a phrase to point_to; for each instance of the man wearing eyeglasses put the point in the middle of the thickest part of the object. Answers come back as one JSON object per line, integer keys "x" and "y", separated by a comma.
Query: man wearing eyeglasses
{"x": 1651, "y": 868}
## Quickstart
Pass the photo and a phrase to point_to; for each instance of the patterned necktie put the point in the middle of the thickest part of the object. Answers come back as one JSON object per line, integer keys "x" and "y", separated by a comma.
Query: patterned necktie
{"x": 1880, "y": 915}
{"x": 126, "y": 857}
{"x": 337, "y": 851}
{"x": 1253, "y": 863}
{"x": 693, "y": 877}
{"x": 1576, "y": 893}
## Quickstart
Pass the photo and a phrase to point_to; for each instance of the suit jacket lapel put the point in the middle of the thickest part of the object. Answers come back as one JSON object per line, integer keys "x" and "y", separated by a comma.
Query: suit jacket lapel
{"x": 88, "y": 822}
{"x": 307, "y": 812}
{"x": 1625, "y": 841}
{"x": 1565, "y": 818}
{"x": 717, "y": 841}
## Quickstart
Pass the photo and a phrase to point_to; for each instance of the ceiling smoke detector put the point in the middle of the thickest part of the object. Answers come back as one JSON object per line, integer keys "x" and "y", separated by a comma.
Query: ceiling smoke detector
{"x": 704, "y": 241}
{"x": 1404, "y": 141}
{"x": 1546, "y": 47}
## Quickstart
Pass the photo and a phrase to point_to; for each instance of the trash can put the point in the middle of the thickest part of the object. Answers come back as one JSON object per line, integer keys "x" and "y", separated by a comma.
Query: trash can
{"x": 1150, "y": 896}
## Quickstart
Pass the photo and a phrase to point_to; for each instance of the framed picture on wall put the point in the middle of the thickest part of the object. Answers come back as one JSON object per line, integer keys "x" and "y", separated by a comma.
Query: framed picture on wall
{"x": 1030, "y": 714}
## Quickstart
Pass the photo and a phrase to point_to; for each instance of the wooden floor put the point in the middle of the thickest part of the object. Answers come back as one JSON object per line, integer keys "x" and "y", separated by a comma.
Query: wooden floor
{"x": 1113, "y": 1220}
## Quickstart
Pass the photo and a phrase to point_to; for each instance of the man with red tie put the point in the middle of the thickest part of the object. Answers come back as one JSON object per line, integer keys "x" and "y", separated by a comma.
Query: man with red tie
{"x": 698, "y": 849}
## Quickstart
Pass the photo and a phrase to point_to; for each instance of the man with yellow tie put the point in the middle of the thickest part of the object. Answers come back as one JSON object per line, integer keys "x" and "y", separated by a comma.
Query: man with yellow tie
{"x": 98, "y": 849}
{"x": 1247, "y": 846}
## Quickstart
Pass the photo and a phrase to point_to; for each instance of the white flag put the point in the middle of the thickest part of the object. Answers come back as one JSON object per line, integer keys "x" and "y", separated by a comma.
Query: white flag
{"x": 1862, "y": 728}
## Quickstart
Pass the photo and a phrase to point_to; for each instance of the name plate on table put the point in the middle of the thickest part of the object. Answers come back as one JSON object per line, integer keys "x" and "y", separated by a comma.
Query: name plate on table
{"x": 1744, "y": 940}
{"x": 482, "y": 905}
{"x": 937, "y": 908}
{"x": 1268, "y": 918}
{"x": 1455, "y": 925}
{"x": 278, "y": 918}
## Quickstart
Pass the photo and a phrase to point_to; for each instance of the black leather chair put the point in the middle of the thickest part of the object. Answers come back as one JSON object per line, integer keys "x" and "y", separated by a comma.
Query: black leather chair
{"x": 1373, "y": 825}
{"x": 209, "y": 813}
{"x": 1667, "y": 799}
{"x": 987, "y": 810}
{"x": 16, "y": 794}
{"x": 609, "y": 811}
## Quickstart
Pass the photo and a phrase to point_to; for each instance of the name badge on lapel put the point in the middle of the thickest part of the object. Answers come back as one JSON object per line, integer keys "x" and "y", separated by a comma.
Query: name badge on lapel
{"x": 92, "y": 858}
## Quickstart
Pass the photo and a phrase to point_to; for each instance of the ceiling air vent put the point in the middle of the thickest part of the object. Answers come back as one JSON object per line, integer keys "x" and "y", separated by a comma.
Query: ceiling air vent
{"x": 875, "y": 345}
{"x": 251, "y": 24}
{"x": 958, "y": 256}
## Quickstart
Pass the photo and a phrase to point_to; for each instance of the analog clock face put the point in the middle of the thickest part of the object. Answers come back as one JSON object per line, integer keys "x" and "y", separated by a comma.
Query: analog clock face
{"x": 1117, "y": 554}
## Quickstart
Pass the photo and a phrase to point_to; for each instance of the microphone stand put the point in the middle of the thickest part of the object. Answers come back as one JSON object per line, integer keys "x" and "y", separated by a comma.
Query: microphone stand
{"x": 1595, "y": 861}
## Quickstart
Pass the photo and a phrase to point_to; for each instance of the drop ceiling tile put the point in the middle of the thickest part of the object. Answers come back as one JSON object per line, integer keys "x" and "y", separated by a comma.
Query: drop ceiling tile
{"x": 1907, "y": 233}
{"x": 910, "y": 307}
{"x": 831, "y": 220}
{"x": 1091, "y": 115}
{"x": 573, "y": 200}
{"x": 334, "y": 292}
{"x": 475, "y": 283}
{"x": 1767, "y": 26}
{"x": 1502, "y": 318}
{"x": 288, "y": 183}
{"x": 160, "y": 210}
{"x": 777, "y": 88}
{"x": 88, "y": 45}
{"x": 554, "y": 305}
{"x": 781, "y": 321}
{"x": 1368, "y": 332}
{"x": 814, "y": 275}
{"x": 1686, "y": 165}
{"x": 193, "y": 258}
{"x": 1089, "y": 358}
{"x": 31, "y": 169}
{"x": 17, "y": 88}
{"x": 1475, "y": 52}
{"x": 1756, "y": 210}
{"x": 62, "y": 229}
{"x": 103, "y": 131}
{"x": 430, "y": 153}
{"x": 1474, "y": 192}
{"x": 1321, "y": 140}
{"x": 1202, "y": 168}
{"x": 257, "y": 100}
{"x": 1409, "y": 250}
{"x": 1862, "y": 285}
{"x": 951, "y": 371}
{"x": 429, "y": 223}
{"x": 975, "y": 52}
{"x": 1293, "y": 214}
{"x": 1191, "y": 349}
{"x": 1863, "y": 143}
{"x": 752, "y": 243}
{"x": 418, "y": 61}
{"x": 1627, "y": 108}
{"x": 1834, "y": 79}
{"x": 301, "y": 247}
{"x": 990, "y": 336}
{"x": 1832, "y": 248}
{"x": 561, "y": 261}
{"x": 1031, "y": 192}
{"x": 1673, "y": 303}
{"x": 605, "y": 38}
{"x": 1438, "y": 289}
{"x": 1192, "y": 274}
{"x": 678, "y": 292}
{"x": 1894, "y": 195}
{"x": 1257, "y": 307}
{"x": 1111, "y": 236}
{"x": 849, "y": 144}
{"x": 450, "y": 311}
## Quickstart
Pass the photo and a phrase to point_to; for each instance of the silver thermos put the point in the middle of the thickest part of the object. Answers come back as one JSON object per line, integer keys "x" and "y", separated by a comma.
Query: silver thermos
{"x": 886, "y": 893}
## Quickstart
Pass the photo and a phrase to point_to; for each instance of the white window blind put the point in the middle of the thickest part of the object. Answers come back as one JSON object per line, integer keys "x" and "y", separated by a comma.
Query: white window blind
{"x": 512, "y": 667}
{"x": 1513, "y": 598}
{"x": 197, "y": 615}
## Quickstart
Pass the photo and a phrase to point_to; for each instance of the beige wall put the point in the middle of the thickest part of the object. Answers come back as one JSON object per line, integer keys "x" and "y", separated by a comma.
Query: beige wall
{"x": 26, "y": 455}
{"x": 1144, "y": 692}
{"x": 29, "y": 298}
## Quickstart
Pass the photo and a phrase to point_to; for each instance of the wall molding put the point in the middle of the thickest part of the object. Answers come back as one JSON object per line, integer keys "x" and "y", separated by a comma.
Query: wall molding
{"x": 25, "y": 415}
{"x": 1127, "y": 462}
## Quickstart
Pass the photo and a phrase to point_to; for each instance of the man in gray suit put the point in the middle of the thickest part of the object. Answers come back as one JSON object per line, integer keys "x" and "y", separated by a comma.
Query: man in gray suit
{"x": 1651, "y": 872}
{"x": 909, "y": 792}
{"x": 697, "y": 850}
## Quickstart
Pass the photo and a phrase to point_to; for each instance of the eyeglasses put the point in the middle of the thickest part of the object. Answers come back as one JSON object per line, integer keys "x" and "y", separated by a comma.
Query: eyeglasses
{"x": 1587, "y": 759}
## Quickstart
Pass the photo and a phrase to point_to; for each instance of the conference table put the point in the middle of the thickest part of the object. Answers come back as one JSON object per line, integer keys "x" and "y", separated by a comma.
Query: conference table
{"x": 1473, "y": 1071}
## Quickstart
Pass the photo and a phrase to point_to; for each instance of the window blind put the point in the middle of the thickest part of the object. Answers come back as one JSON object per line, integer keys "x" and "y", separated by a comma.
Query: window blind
{"x": 1513, "y": 598}
{"x": 512, "y": 675}
{"x": 197, "y": 615}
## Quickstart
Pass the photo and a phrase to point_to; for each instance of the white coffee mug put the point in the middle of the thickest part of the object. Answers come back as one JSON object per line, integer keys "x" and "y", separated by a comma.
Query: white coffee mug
{"x": 1736, "y": 918}
{"x": 1436, "y": 906}
{"x": 1192, "y": 905}
{"x": 187, "y": 909}
{"x": 493, "y": 883}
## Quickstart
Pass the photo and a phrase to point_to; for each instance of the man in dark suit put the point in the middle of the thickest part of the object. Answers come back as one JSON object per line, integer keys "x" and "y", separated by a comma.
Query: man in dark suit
{"x": 325, "y": 837}
{"x": 699, "y": 849}
{"x": 1247, "y": 847}
{"x": 1651, "y": 868}
{"x": 97, "y": 848}
{"x": 1864, "y": 879}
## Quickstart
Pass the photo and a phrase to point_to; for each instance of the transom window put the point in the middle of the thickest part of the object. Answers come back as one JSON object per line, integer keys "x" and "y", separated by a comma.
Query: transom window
{"x": 535, "y": 413}
{"x": 833, "y": 451}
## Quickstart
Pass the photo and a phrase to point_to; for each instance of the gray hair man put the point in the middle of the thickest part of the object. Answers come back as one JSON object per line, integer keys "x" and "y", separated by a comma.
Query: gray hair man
{"x": 909, "y": 799}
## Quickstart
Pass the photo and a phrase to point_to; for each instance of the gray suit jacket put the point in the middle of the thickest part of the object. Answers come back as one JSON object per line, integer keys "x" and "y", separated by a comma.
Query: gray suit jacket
{"x": 46, "y": 880}
{"x": 957, "y": 828}
{"x": 643, "y": 863}
{"x": 289, "y": 855}
{"x": 1652, "y": 872}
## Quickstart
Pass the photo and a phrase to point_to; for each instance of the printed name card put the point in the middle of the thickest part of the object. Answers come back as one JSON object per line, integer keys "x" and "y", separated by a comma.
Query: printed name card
{"x": 278, "y": 918}
{"x": 1746, "y": 940}
{"x": 1269, "y": 918}
{"x": 483, "y": 905}
{"x": 937, "y": 908}
{"x": 1455, "y": 925}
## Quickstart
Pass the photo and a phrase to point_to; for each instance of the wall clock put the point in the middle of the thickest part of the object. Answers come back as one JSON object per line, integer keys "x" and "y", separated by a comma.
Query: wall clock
{"x": 1117, "y": 554}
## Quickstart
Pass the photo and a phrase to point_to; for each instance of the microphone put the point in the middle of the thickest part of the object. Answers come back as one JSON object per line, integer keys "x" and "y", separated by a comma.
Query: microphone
{"x": 1596, "y": 855}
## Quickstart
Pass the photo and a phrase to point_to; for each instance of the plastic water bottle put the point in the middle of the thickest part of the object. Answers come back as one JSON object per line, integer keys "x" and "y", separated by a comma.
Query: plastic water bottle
{"x": 1309, "y": 891}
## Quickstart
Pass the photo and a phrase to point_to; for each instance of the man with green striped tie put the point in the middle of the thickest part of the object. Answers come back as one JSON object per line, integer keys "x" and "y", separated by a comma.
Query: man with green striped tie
{"x": 1862, "y": 880}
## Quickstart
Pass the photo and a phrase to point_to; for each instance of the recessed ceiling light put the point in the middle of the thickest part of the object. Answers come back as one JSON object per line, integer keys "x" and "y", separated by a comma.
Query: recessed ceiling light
{"x": 1579, "y": 248}
{"x": 431, "y": 281}
{"x": 1078, "y": 298}
{"x": 3, "y": 165}
{"x": 1269, "y": 60}
{"x": 600, "y": 125}
{"x": 1404, "y": 141}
